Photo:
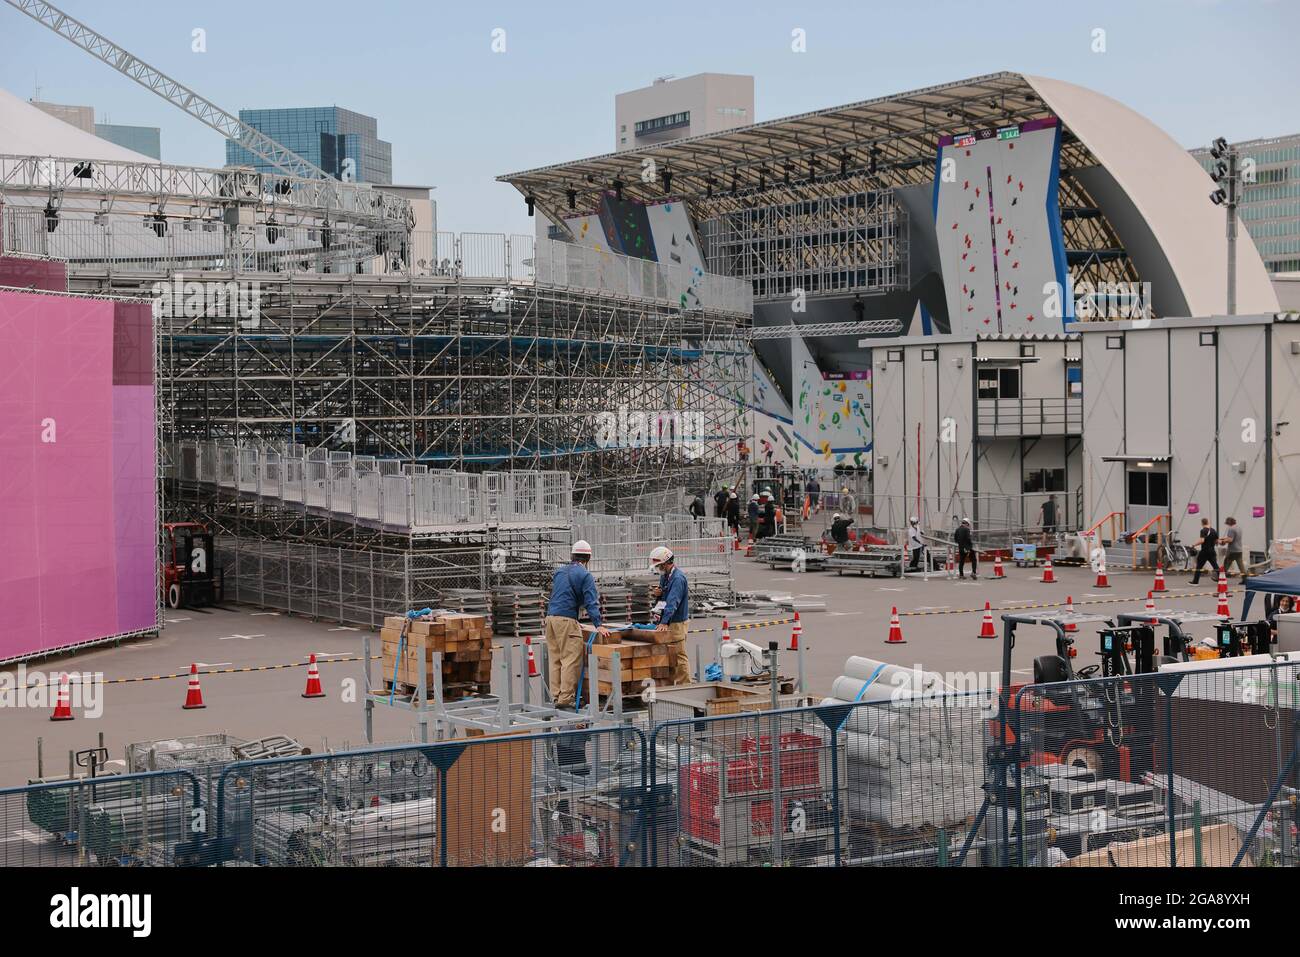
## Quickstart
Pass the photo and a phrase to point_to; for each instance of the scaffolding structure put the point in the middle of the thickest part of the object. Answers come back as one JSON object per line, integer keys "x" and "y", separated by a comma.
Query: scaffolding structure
{"x": 853, "y": 242}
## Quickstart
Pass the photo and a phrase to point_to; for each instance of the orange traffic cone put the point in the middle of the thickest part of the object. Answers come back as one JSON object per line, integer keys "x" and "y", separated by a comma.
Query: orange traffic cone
{"x": 726, "y": 630}
{"x": 313, "y": 680}
{"x": 193, "y": 695}
{"x": 997, "y": 569}
{"x": 986, "y": 627}
{"x": 1223, "y": 582}
{"x": 532, "y": 660}
{"x": 63, "y": 702}
{"x": 795, "y": 633}
{"x": 1160, "y": 579}
{"x": 1151, "y": 602}
{"x": 895, "y": 629}
{"x": 1102, "y": 580}
{"x": 1069, "y": 610}
{"x": 1223, "y": 611}
{"x": 1049, "y": 577}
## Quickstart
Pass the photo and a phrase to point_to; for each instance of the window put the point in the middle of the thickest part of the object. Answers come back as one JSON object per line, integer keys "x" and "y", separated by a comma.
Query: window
{"x": 929, "y": 355}
{"x": 1207, "y": 338}
{"x": 1045, "y": 480}
{"x": 1148, "y": 487}
{"x": 1114, "y": 342}
{"x": 999, "y": 383}
{"x": 1026, "y": 349}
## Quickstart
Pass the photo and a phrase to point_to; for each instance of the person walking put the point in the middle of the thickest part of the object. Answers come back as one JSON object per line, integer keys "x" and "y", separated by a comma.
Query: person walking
{"x": 573, "y": 587}
{"x": 1232, "y": 541}
{"x": 814, "y": 494}
{"x": 1047, "y": 518}
{"x": 696, "y": 507}
{"x": 671, "y": 619}
{"x": 733, "y": 514}
{"x": 1209, "y": 537}
{"x": 915, "y": 544}
{"x": 965, "y": 549}
{"x": 720, "y": 502}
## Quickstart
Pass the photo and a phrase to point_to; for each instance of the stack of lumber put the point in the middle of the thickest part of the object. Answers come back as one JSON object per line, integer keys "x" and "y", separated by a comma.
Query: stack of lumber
{"x": 518, "y": 611}
{"x": 639, "y": 662}
{"x": 465, "y": 642}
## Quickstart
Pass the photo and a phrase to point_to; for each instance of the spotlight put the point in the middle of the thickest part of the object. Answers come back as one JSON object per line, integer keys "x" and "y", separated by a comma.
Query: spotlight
{"x": 618, "y": 189}
{"x": 83, "y": 171}
{"x": 530, "y": 201}
{"x": 1219, "y": 148}
{"x": 573, "y": 198}
{"x": 708, "y": 187}
{"x": 272, "y": 231}
{"x": 1218, "y": 197}
{"x": 875, "y": 158}
{"x": 844, "y": 164}
{"x": 158, "y": 223}
{"x": 735, "y": 182}
{"x": 668, "y": 181}
{"x": 283, "y": 187}
{"x": 762, "y": 182}
{"x": 786, "y": 178}
{"x": 1220, "y": 171}
{"x": 51, "y": 217}
{"x": 812, "y": 170}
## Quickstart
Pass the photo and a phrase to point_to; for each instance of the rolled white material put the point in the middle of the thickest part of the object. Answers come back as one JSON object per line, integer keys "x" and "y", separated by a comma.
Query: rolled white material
{"x": 906, "y": 681}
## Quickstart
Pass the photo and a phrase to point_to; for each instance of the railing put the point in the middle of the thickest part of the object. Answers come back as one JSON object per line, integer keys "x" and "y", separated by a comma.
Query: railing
{"x": 123, "y": 245}
{"x": 1060, "y": 415}
{"x": 1120, "y": 771}
{"x": 405, "y": 498}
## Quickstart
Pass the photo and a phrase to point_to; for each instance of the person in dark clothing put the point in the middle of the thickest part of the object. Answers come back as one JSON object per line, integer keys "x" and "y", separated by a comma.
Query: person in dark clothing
{"x": 751, "y": 512}
{"x": 814, "y": 493}
{"x": 769, "y": 516}
{"x": 720, "y": 502}
{"x": 840, "y": 530}
{"x": 1209, "y": 538}
{"x": 1047, "y": 518}
{"x": 965, "y": 549}
{"x": 697, "y": 507}
{"x": 733, "y": 513}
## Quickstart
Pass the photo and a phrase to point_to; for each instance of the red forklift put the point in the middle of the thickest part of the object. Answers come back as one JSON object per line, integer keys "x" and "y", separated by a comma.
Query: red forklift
{"x": 190, "y": 575}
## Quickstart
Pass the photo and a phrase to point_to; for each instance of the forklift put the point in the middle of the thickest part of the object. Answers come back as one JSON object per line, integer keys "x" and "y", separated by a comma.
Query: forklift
{"x": 190, "y": 576}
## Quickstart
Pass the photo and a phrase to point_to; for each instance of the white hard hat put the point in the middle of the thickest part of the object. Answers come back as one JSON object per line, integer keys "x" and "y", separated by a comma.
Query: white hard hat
{"x": 659, "y": 556}
{"x": 581, "y": 547}
{"x": 965, "y": 521}
{"x": 767, "y": 491}
{"x": 913, "y": 519}
{"x": 733, "y": 495}
{"x": 836, "y": 516}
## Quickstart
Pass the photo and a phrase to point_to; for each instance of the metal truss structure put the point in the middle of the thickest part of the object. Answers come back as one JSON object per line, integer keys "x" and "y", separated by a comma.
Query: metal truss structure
{"x": 813, "y": 330}
{"x": 627, "y": 396}
{"x": 853, "y": 242}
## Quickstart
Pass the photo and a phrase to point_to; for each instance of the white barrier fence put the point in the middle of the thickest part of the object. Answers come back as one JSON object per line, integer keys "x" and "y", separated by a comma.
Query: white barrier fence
{"x": 407, "y": 498}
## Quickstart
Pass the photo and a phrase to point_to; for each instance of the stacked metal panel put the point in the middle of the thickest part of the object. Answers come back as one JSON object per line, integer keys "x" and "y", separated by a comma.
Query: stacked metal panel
{"x": 518, "y": 611}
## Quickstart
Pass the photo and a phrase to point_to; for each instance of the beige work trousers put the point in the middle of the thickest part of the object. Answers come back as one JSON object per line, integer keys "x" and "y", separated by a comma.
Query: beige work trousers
{"x": 677, "y": 653}
{"x": 564, "y": 650}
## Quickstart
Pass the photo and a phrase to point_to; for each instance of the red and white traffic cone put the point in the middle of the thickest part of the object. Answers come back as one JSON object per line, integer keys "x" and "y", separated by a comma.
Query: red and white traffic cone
{"x": 532, "y": 659}
{"x": 1159, "y": 584}
{"x": 895, "y": 629}
{"x": 1223, "y": 582}
{"x": 63, "y": 702}
{"x": 986, "y": 626}
{"x": 795, "y": 632}
{"x": 1069, "y": 610}
{"x": 1151, "y": 602}
{"x": 726, "y": 630}
{"x": 997, "y": 570}
{"x": 1102, "y": 580}
{"x": 1049, "y": 577}
{"x": 313, "y": 680}
{"x": 1223, "y": 611}
{"x": 193, "y": 695}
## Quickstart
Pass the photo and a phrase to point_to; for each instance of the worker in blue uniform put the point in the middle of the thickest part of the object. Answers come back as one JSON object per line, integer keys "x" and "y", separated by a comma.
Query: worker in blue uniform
{"x": 671, "y": 619}
{"x": 573, "y": 587}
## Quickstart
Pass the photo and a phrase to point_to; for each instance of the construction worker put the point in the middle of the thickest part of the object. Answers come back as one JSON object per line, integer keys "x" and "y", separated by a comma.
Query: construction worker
{"x": 674, "y": 595}
{"x": 733, "y": 513}
{"x": 696, "y": 507}
{"x": 720, "y": 502}
{"x": 965, "y": 550}
{"x": 915, "y": 544}
{"x": 768, "y": 520}
{"x": 752, "y": 514}
{"x": 840, "y": 530}
{"x": 573, "y": 587}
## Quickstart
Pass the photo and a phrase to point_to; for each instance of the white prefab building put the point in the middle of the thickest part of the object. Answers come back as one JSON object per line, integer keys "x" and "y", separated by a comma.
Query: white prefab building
{"x": 1197, "y": 418}
{"x": 986, "y": 427}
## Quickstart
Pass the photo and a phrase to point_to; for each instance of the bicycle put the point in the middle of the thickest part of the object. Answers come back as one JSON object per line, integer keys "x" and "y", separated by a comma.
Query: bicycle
{"x": 1174, "y": 555}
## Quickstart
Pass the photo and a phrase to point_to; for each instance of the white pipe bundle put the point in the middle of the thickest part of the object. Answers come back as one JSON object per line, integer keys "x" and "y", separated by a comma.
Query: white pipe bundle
{"x": 892, "y": 683}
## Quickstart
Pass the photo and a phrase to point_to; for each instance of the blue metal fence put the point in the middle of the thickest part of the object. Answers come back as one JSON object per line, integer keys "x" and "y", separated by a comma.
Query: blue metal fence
{"x": 1184, "y": 768}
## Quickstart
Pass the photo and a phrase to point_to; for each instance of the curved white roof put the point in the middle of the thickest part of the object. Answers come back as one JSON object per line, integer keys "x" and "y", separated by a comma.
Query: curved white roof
{"x": 1170, "y": 191}
{"x": 28, "y": 131}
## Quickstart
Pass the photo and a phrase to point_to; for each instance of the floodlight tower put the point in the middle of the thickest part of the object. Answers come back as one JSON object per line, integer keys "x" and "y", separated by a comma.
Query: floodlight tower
{"x": 1227, "y": 175}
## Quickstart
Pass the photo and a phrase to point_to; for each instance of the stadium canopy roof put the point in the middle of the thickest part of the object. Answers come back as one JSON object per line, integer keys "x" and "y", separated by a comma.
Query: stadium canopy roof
{"x": 902, "y": 130}
{"x": 26, "y": 130}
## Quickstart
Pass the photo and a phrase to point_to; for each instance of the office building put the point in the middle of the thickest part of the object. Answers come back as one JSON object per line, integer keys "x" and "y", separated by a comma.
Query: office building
{"x": 1270, "y": 202}
{"x": 670, "y": 109}
{"x": 343, "y": 143}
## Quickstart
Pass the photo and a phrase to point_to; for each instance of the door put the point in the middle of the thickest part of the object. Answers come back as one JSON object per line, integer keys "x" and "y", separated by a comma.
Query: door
{"x": 1147, "y": 497}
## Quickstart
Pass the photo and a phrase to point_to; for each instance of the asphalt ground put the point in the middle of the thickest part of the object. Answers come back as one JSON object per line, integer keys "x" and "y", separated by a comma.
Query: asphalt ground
{"x": 253, "y": 662}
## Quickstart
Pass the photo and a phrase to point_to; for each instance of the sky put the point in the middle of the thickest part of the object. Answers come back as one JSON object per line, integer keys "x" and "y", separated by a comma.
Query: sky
{"x": 459, "y": 114}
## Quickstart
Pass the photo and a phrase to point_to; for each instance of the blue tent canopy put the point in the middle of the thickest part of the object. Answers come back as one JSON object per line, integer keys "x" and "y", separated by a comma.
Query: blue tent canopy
{"x": 1284, "y": 581}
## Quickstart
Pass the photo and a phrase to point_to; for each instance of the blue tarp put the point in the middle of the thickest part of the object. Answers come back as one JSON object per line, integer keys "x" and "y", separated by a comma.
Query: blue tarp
{"x": 1284, "y": 581}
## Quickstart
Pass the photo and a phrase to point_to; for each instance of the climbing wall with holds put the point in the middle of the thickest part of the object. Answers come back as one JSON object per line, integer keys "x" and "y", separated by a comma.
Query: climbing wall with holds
{"x": 832, "y": 412}
{"x": 998, "y": 227}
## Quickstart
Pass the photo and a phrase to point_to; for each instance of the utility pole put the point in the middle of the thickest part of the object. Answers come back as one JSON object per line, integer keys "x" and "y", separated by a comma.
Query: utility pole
{"x": 1227, "y": 174}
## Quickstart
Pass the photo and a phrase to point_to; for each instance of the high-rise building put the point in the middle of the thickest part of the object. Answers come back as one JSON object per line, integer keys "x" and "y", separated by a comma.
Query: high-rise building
{"x": 141, "y": 139}
{"x": 146, "y": 140}
{"x": 1270, "y": 198}
{"x": 342, "y": 143}
{"x": 670, "y": 109}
